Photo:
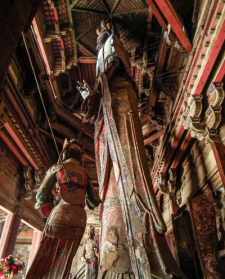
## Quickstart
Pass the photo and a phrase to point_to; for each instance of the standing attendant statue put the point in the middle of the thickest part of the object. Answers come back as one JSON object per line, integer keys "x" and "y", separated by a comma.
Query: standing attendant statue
{"x": 66, "y": 221}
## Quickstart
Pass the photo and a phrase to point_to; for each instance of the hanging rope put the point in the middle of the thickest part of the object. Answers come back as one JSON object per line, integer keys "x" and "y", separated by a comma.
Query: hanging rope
{"x": 60, "y": 161}
{"x": 41, "y": 97}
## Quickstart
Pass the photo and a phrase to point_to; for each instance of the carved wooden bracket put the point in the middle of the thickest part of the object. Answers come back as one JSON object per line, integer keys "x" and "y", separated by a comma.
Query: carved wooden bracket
{"x": 213, "y": 114}
{"x": 204, "y": 122}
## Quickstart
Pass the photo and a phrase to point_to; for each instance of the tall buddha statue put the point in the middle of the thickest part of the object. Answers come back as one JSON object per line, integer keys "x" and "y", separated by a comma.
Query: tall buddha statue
{"x": 132, "y": 241}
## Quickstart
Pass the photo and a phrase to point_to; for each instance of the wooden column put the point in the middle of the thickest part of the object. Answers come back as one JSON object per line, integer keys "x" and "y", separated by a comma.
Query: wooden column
{"x": 36, "y": 239}
{"x": 9, "y": 234}
{"x": 219, "y": 154}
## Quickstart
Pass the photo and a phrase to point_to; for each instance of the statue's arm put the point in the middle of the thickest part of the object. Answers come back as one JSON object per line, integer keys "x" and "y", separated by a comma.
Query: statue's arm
{"x": 92, "y": 197}
{"x": 90, "y": 105}
{"x": 44, "y": 196}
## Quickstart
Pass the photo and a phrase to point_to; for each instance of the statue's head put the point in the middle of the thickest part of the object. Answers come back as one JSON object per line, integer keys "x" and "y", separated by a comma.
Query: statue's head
{"x": 71, "y": 149}
{"x": 105, "y": 25}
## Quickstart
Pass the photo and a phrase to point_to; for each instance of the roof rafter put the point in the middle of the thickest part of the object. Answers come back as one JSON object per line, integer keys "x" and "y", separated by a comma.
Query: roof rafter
{"x": 173, "y": 19}
{"x": 115, "y": 6}
{"x": 86, "y": 51}
{"x": 108, "y": 10}
{"x": 88, "y": 10}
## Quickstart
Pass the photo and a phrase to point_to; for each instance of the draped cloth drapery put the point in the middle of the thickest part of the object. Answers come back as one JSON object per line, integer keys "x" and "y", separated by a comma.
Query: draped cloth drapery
{"x": 128, "y": 203}
{"x": 55, "y": 254}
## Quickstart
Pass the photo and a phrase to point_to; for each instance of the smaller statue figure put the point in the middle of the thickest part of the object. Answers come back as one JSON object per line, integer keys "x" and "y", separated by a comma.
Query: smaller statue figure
{"x": 90, "y": 254}
{"x": 61, "y": 199}
{"x": 115, "y": 256}
{"x": 29, "y": 182}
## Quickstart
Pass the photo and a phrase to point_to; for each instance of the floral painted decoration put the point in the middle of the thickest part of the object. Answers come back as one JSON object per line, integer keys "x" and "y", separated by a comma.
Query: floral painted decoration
{"x": 10, "y": 266}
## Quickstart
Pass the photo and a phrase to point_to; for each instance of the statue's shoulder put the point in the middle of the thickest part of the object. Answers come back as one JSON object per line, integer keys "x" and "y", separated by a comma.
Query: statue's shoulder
{"x": 54, "y": 169}
{"x": 74, "y": 164}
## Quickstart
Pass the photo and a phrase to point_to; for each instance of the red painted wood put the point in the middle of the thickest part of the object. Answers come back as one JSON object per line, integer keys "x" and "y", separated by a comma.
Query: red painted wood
{"x": 9, "y": 234}
{"x": 220, "y": 75}
{"x": 178, "y": 28}
{"x": 219, "y": 154}
{"x": 157, "y": 14}
{"x": 12, "y": 147}
{"x": 181, "y": 152}
{"x": 212, "y": 60}
{"x": 86, "y": 60}
{"x": 20, "y": 145}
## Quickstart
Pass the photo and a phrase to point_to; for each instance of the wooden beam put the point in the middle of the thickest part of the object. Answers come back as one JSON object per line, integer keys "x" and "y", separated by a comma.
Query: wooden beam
{"x": 74, "y": 3}
{"x": 157, "y": 14}
{"x": 217, "y": 48}
{"x": 13, "y": 148}
{"x": 86, "y": 155}
{"x": 115, "y": 6}
{"x": 86, "y": 60}
{"x": 153, "y": 137}
{"x": 170, "y": 14}
{"x": 85, "y": 50}
{"x": 221, "y": 73}
{"x": 219, "y": 155}
{"x": 136, "y": 11}
{"x": 20, "y": 144}
{"x": 88, "y": 10}
{"x": 181, "y": 152}
{"x": 108, "y": 10}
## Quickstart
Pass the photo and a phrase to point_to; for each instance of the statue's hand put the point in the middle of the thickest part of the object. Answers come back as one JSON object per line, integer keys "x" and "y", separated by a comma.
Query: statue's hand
{"x": 90, "y": 106}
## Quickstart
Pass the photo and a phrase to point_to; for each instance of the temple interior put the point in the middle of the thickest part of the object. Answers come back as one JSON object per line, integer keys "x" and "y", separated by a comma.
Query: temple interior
{"x": 112, "y": 139}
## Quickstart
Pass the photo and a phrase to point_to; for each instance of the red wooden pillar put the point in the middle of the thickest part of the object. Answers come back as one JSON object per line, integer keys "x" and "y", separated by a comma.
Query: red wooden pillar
{"x": 9, "y": 234}
{"x": 36, "y": 239}
{"x": 219, "y": 154}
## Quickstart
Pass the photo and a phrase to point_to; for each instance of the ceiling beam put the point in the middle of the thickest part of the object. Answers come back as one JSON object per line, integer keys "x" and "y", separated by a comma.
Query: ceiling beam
{"x": 115, "y": 6}
{"x": 74, "y": 3}
{"x": 88, "y": 10}
{"x": 13, "y": 148}
{"x": 136, "y": 11}
{"x": 107, "y": 7}
{"x": 20, "y": 145}
{"x": 153, "y": 137}
{"x": 87, "y": 60}
{"x": 177, "y": 26}
{"x": 153, "y": 8}
{"x": 86, "y": 51}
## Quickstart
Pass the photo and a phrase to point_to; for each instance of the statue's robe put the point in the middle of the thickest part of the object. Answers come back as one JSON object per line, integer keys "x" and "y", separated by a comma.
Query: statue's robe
{"x": 64, "y": 227}
{"x": 91, "y": 265}
{"x": 128, "y": 201}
